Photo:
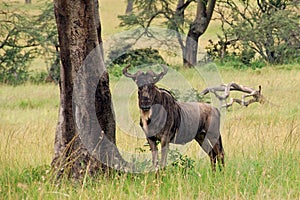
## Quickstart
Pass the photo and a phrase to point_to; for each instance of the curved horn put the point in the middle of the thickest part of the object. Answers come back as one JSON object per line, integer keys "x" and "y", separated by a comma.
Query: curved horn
{"x": 161, "y": 74}
{"x": 126, "y": 73}
{"x": 165, "y": 68}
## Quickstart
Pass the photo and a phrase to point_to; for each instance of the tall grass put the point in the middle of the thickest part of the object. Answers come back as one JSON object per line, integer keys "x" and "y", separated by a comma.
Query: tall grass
{"x": 261, "y": 143}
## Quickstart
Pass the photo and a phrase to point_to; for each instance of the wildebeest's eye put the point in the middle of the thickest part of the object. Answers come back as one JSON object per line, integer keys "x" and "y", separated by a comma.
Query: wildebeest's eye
{"x": 139, "y": 91}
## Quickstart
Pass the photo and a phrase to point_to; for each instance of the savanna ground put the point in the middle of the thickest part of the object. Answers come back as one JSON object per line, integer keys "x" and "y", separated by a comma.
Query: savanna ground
{"x": 262, "y": 144}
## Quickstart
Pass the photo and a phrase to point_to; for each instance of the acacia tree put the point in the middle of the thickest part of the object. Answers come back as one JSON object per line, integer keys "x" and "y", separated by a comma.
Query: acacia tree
{"x": 197, "y": 28}
{"x": 267, "y": 28}
{"x": 18, "y": 45}
{"x": 79, "y": 32}
{"x": 146, "y": 11}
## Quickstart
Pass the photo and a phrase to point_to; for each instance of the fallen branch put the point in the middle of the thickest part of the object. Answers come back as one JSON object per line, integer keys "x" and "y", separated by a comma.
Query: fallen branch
{"x": 256, "y": 94}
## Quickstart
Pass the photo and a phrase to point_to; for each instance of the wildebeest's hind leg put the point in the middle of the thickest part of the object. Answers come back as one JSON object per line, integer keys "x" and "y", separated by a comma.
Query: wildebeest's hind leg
{"x": 213, "y": 160}
{"x": 215, "y": 153}
{"x": 211, "y": 153}
{"x": 221, "y": 154}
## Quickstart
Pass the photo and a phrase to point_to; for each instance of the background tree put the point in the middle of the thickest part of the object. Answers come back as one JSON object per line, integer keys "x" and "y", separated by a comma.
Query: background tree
{"x": 267, "y": 28}
{"x": 79, "y": 31}
{"x": 48, "y": 42}
{"x": 197, "y": 28}
{"x": 146, "y": 12}
{"x": 129, "y": 6}
{"x": 20, "y": 43}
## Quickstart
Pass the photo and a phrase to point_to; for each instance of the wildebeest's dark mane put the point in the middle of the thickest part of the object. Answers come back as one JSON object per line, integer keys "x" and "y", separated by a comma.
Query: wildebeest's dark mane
{"x": 171, "y": 106}
{"x": 169, "y": 92}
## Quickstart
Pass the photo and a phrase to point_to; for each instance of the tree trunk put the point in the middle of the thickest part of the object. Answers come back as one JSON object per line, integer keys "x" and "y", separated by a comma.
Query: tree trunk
{"x": 129, "y": 6}
{"x": 270, "y": 47}
{"x": 180, "y": 12}
{"x": 85, "y": 134}
{"x": 197, "y": 28}
{"x": 28, "y": 1}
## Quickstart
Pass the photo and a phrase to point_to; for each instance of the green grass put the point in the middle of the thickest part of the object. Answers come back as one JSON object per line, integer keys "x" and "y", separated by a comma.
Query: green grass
{"x": 255, "y": 177}
{"x": 261, "y": 144}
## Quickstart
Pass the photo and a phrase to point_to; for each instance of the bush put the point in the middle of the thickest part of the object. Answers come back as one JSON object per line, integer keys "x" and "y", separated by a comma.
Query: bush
{"x": 14, "y": 76}
{"x": 135, "y": 57}
{"x": 182, "y": 163}
{"x": 38, "y": 77}
{"x": 191, "y": 95}
{"x": 234, "y": 55}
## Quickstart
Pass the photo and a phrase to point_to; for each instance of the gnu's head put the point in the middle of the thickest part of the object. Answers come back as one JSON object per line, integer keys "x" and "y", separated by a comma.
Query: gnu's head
{"x": 145, "y": 82}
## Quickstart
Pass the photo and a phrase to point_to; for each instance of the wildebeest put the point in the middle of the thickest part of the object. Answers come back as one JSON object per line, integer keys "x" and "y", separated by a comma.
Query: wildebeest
{"x": 164, "y": 119}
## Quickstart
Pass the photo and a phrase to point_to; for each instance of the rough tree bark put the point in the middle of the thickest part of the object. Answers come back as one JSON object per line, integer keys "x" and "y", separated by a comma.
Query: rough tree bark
{"x": 204, "y": 13}
{"x": 129, "y": 6}
{"x": 79, "y": 32}
{"x": 180, "y": 12}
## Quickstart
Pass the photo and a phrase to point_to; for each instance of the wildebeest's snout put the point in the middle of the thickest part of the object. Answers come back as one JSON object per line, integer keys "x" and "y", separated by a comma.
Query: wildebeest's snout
{"x": 145, "y": 100}
{"x": 145, "y": 107}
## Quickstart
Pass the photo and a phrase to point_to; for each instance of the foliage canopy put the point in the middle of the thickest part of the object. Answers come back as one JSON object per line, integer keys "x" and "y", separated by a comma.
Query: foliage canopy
{"x": 23, "y": 38}
{"x": 266, "y": 29}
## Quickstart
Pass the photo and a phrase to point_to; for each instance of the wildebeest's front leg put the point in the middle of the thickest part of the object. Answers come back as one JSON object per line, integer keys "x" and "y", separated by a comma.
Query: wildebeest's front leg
{"x": 164, "y": 150}
{"x": 154, "y": 151}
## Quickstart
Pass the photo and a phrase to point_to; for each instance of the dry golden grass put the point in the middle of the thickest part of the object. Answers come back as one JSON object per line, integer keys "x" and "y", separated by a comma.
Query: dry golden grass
{"x": 261, "y": 144}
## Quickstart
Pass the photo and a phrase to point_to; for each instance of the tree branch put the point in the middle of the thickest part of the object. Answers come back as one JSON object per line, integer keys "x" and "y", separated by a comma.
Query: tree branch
{"x": 181, "y": 8}
{"x": 9, "y": 34}
{"x": 255, "y": 94}
{"x": 210, "y": 9}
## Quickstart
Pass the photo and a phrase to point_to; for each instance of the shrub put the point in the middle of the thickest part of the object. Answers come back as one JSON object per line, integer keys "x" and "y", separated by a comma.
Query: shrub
{"x": 135, "y": 57}
{"x": 38, "y": 77}
{"x": 191, "y": 95}
{"x": 180, "y": 162}
{"x": 234, "y": 55}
